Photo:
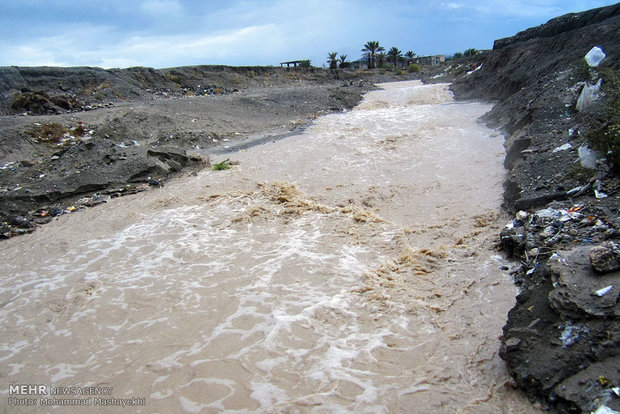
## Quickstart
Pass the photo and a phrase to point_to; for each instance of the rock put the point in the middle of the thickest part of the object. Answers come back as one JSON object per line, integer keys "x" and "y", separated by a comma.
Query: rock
{"x": 20, "y": 222}
{"x": 521, "y": 216}
{"x": 575, "y": 286}
{"x": 585, "y": 389}
{"x": 605, "y": 258}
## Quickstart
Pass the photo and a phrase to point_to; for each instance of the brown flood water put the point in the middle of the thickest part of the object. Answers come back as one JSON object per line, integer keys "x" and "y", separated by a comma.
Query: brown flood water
{"x": 347, "y": 269}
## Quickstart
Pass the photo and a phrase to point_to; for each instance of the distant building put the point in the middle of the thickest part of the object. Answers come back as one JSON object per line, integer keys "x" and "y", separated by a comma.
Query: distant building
{"x": 295, "y": 63}
{"x": 434, "y": 60}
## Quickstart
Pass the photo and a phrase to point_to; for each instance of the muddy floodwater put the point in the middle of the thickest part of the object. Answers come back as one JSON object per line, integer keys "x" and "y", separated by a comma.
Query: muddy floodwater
{"x": 350, "y": 268}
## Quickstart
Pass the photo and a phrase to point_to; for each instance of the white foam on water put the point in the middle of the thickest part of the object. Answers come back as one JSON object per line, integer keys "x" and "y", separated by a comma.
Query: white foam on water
{"x": 348, "y": 294}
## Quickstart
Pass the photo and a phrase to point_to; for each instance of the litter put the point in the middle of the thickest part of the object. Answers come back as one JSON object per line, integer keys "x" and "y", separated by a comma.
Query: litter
{"x": 556, "y": 256}
{"x": 594, "y": 56}
{"x": 564, "y": 147}
{"x": 603, "y": 409}
{"x": 603, "y": 291}
{"x": 577, "y": 191}
{"x": 587, "y": 157}
{"x": 521, "y": 215}
{"x": 604, "y": 381}
{"x": 587, "y": 95}
{"x": 597, "y": 190}
{"x": 548, "y": 213}
{"x": 129, "y": 143}
{"x": 599, "y": 194}
{"x": 570, "y": 333}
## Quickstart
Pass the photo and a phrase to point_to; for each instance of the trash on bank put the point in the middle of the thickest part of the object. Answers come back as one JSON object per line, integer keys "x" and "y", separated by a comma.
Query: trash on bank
{"x": 564, "y": 147}
{"x": 603, "y": 409}
{"x": 587, "y": 95}
{"x": 577, "y": 191}
{"x": 129, "y": 143}
{"x": 594, "y": 57}
{"x": 603, "y": 291}
{"x": 587, "y": 157}
{"x": 597, "y": 190}
{"x": 570, "y": 333}
{"x": 558, "y": 257}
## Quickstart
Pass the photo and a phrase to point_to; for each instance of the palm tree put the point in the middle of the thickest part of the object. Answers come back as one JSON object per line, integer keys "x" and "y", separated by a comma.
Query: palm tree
{"x": 343, "y": 61}
{"x": 380, "y": 60}
{"x": 370, "y": 49}
{"x": 394, "y": 54}
{"x": 409, "y": 55}
{"x": 332, "y": 60}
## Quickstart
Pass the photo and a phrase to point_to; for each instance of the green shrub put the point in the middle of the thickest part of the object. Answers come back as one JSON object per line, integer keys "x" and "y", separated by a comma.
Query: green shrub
{"x": 414, "y": 67}
{"x": 581, "y": 71}
{"x": 220, "y": 166}
{"x": 605, "y": 135}
{"x": 398, "y": 72}
{"x": 174, "y": 78}
{"x": 306, "y": 64}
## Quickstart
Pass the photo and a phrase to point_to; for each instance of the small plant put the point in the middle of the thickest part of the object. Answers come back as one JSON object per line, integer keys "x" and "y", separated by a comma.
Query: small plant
{"x": 398, "y": 72}
{"x": 175, "y": 78}
{"x": 581, "y": 71}
{"x": 305, "y": 64}
{"x": 79, "y": 131}
{"x": 48, "y": 132}
{"x": 414, "y": 67}
{"x": 605, "y": 135}
{"x": 220, "y": 166}
{"x": 470, "y": 52}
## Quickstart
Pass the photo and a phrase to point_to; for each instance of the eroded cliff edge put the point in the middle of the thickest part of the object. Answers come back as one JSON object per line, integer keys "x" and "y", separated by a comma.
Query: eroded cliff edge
{"x": 561, "y": 340}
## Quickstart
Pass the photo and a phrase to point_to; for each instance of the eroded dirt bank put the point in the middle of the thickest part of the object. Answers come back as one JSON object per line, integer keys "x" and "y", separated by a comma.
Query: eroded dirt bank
{"x": 562, "y": 338}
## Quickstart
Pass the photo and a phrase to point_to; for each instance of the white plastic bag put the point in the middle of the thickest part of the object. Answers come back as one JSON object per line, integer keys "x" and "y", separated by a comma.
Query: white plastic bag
{"x": 587, "y": 157}
{"x": 594, "y": 56}
{"x": 587, "y": 95}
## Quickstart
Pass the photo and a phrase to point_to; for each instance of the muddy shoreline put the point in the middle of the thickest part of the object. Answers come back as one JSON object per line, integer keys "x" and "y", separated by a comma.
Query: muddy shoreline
{"x": 561, "y": 340}
{"x": 63, "y": 148}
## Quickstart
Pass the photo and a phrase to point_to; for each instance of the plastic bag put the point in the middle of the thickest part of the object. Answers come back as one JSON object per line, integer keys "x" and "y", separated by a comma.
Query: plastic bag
{"x": 587, "y": 157}
{"x": 587, "y": 95}
{"x": 594, "y": 56}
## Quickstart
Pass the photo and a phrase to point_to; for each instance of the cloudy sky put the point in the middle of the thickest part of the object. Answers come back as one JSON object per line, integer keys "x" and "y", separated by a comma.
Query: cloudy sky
{"x": 166, "y": 33}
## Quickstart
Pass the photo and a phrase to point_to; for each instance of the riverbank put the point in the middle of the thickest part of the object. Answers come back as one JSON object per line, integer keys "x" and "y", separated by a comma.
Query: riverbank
{"x": 74, "y": 137}
{"x": 561, "y": 340}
